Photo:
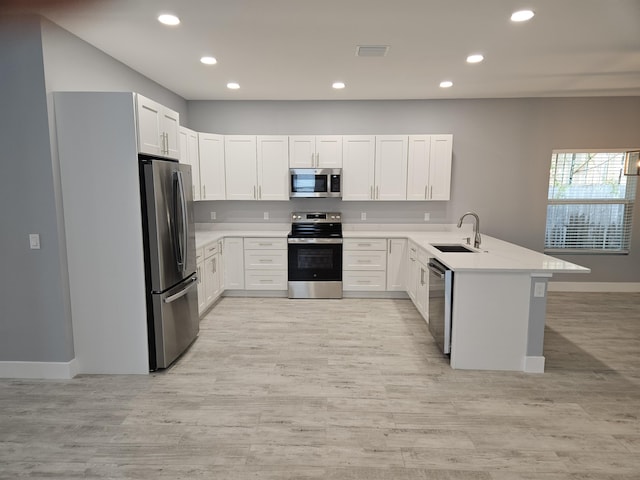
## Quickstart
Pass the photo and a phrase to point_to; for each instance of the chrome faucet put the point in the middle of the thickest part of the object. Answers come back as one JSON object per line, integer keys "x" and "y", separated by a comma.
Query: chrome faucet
{"x": 476, "y": 228}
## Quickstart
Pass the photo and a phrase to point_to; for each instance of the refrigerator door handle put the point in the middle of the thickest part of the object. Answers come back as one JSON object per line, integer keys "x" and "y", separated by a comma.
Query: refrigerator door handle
{"x": 192, "y": 282}
{"x": 182, "y": 234}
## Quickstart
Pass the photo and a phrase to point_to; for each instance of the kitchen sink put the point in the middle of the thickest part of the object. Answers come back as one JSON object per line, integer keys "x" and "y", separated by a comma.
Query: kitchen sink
{"x": 456, "y": 248}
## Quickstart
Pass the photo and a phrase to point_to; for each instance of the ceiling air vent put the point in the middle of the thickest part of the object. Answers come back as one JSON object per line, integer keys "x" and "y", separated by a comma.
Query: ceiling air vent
{"x": 372, "y": 50}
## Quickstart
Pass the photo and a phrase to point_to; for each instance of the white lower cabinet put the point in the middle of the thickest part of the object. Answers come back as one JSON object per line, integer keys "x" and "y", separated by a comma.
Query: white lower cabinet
{"x": 233, "y": 259}
{"x": 396, "y": 265}
{"x": 265, "y": 263}
{"x": 364, "y": 264}
{"x": 417, "y": 286}
{"x": 210, "y": 274}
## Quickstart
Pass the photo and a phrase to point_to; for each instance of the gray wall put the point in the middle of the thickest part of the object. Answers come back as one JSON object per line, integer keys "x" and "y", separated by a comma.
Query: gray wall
{"x": 501, "y": 158}
{"x": 36, "y": 58}
{"x": 34, "y": 323}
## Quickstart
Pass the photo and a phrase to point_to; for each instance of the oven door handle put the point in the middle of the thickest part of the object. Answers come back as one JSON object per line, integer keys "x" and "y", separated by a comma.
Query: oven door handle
{"x": 314, "y": 240}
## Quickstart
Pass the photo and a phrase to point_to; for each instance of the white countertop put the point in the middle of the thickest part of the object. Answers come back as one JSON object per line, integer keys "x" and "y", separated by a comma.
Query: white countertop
{"x": 493, "y": 255}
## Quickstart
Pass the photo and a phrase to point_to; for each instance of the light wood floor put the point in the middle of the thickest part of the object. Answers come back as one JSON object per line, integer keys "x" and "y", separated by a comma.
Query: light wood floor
{"x": 343, "y": 389}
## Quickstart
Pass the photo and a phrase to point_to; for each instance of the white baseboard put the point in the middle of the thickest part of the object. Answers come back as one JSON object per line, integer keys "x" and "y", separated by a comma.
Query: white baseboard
{"x": 533, "y": 364}
{"x": 43, "y": 370}
{"x": 594, "y": 287}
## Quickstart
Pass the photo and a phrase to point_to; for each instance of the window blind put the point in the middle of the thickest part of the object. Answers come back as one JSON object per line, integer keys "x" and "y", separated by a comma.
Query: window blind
{"x": 590, "y": 203}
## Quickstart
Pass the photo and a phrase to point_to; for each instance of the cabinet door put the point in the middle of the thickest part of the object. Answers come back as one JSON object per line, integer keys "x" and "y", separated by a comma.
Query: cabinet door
{"x": 150, "y": 135}
{"x": 329, "y": 151}
{"x": 212, "y": 166}
{"x": 233, "y": 258}
{"x": 418, "y": 167}
{"x": 440, "y": 167}
{"x": 358, "y": 167}
{"x": 273, "y": 167}
{"x": 422, "y": 293}
{"x": 202, "y": 298}
{"x": 240, "y": 167}
{"x": 189, "y": 155}
{"x": 396, "y": 261}
{"x": 413, "y": 276}
{"x": 302, "y": 151}
{"x": 209, "y": 268}
{"x": 391, "y": 167}
{"x": 170, "y": 126}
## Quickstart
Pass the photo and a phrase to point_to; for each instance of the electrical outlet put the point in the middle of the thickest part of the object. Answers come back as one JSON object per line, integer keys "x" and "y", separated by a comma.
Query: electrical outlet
{"x": 538, "y": 289}
{"x": 427, "y": 216}
{"x": 266, "y": 215}
{"x": 363, "y": 216}
{"x": 34, "y": 241}
{"x": 213, "y": 215}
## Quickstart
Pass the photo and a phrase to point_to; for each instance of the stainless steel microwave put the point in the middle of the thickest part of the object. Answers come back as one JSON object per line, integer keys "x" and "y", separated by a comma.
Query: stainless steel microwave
{"x": 315, "y": 182}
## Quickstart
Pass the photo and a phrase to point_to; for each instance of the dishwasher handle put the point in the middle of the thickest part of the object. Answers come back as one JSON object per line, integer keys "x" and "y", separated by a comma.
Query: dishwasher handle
{"x": 436, "y": 270}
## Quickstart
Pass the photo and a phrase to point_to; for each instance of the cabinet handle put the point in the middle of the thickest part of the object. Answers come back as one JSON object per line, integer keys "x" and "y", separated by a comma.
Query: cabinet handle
{"x": 430, "y": 193}
{"x": 313, "y": 159}
{"x": 213, "y": 266}
{"x": 425, "y": 192}
{"x": 220, "y": 244}
{"x": 389, "y": 245}
{"x": 378, "y": 192}
{"x": 260, "y": 192}
{"x": 364, "y": 244}
{"x": 254, "y": 192}
{"x": 317, "y": 159}
{"x": 204, "y": 192}
{"x": 421, "y": 276}
{"x": 364, "y": 261}
{"x": 371, "y": 193}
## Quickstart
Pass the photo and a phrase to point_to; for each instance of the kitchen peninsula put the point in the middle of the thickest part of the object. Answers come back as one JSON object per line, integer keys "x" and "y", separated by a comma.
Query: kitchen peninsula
{"x": 499, "y": 292}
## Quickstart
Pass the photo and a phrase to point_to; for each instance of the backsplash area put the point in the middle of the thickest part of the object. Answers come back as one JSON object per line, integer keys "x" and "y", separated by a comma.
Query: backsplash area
{"x": 229, "y": 211}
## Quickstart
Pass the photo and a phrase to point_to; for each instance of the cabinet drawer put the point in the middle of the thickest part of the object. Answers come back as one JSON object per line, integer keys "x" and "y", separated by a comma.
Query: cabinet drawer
{"x": 210, "y": 250}
{"x": 364, "y": 281}
{"x": 199, "y": 255}
{"x": 265, "y": 259}
{"x": 365, "y": 244}
{"x": 265, "y": 243}
{"x": 366, "y": 260}
{"x": 265, "y": 280}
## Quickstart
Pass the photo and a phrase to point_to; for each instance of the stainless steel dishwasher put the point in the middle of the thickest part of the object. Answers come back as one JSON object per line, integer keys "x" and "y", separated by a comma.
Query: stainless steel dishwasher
{"x": 440, "y": 303}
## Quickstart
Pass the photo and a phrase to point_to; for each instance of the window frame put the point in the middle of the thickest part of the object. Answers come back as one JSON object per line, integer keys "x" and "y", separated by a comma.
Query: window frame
{"x": 628, "y": 204}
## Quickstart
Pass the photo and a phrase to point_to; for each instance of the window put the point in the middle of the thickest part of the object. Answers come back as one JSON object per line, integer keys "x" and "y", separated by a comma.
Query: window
{"x": 590, "y": 203}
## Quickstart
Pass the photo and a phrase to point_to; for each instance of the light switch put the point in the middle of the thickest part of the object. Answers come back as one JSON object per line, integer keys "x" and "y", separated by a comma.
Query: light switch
{"x": 266, "y": 215}
{"x": 427, "y": 216}
{"x": 363, "y": 216}
{"x": 34, "y": 241}
{"x": 538, "y": 289}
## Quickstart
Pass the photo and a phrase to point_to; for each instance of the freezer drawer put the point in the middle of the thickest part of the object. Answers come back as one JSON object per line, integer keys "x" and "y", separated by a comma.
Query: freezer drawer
{"x": 176, "y": 323}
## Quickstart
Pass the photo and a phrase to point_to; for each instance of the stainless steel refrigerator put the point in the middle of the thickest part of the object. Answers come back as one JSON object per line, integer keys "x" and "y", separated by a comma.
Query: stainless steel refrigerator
{"x": 170, "y": 260}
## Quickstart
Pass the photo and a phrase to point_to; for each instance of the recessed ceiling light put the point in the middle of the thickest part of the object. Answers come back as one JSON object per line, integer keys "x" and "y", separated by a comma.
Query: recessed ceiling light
{"x": 522, "y": 16}
{"x": 338, "y": 85}
{"x": 233, "y": 85}
{"x": 475, "y": 58}
{"x": 208, "y": 60}
{"x": 168, "y": 19}
{"x": 446, "y": 84}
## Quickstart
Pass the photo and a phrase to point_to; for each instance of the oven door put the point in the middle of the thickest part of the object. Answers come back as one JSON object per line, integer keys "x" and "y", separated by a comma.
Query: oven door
{"x": 315, "y": 268}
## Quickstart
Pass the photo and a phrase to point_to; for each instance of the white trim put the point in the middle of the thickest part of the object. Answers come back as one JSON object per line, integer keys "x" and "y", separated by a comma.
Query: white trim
{"x": 533, "y": 364}
{"x": 633, "y": 287}
{"x": 44, "y": 370}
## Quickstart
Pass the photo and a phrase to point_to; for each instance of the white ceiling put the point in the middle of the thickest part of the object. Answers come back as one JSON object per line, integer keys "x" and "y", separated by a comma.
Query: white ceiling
{"x": 295, "y": 49}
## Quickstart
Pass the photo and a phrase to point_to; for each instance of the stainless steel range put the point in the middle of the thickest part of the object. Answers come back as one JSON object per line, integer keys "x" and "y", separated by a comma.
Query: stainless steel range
{"x": 315, "y": 255}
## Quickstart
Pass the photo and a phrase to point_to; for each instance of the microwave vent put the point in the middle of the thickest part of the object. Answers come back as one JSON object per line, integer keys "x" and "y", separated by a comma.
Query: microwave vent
{"x": 372, "y": 50}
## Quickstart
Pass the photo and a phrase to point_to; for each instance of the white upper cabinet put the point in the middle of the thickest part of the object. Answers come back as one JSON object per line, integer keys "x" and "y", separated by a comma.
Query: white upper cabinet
{"x": 158, "y": 128}
{"x": 189, "y": 155}
{"x": 374, "y": 167}
{"x": 240, "y": 164}
{"x": 308, "y": 151}
{"x": 273, "y": 167}
{"x": 256, "y": 167}
{"x": 358, "y": 169}
{"x": 429, "y": 169}
{"x": 391, "y": 167}
{"x": 212, "y": 166}
{"x": 440, "y": 167}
